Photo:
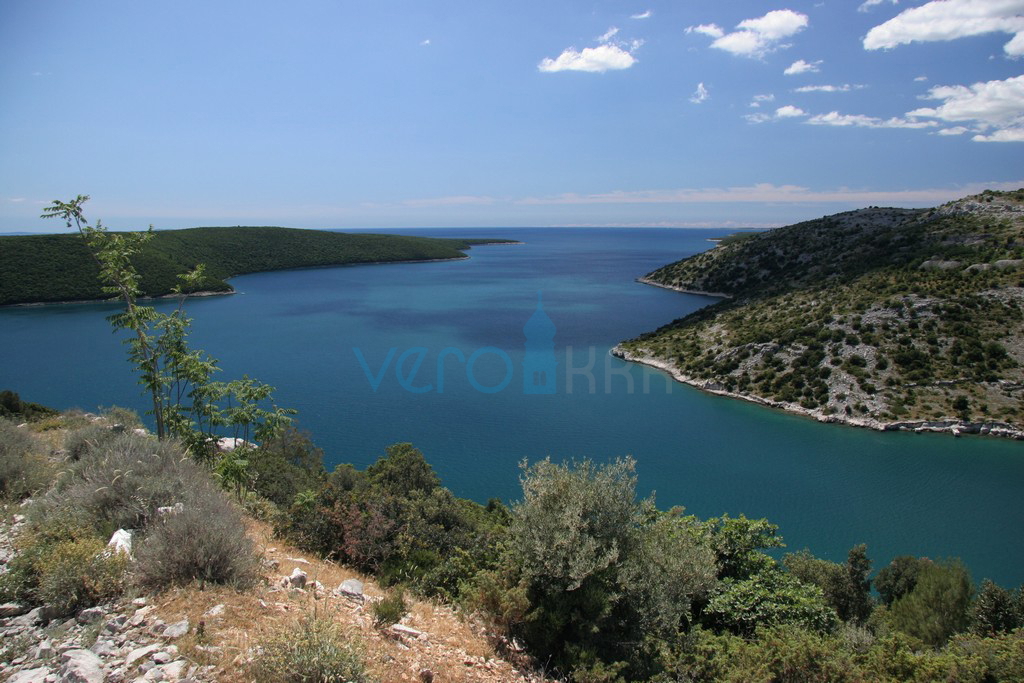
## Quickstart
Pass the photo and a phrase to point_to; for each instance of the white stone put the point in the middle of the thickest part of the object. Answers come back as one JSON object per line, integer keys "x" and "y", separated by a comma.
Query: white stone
{"x": 214, "y": 611}
{"x": 29, "y": 675}
{"x": 175, "y": 509}
{"x": 227, "y": 444}
{"x": 403, "y": 630}
{"x": 140, "y": 652}
{"x": 90, "y": 615}
{"x": 81, "y": 666}
{"x": 176, "y": 630}
{"x": 352, "y": 588}
{"x": 12, "y": 609}
{"x": 121, "y": 542}
{"x": 298, "y": 578}
{"x": 175, "y": 670}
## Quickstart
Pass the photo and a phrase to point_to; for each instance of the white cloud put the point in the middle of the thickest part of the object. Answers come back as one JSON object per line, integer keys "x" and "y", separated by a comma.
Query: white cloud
{"x": 759, "y": 99}
{"x": 591, "y": 59}
{"x": 789, "y": 111}
{"x": 955, "y": 130}
{"x": 834, "y": 118}
{"x": 700, "y": 94}
{"x": 711, "y": 30}
{"x": 461, "y": 200}
{"x": 755, "y": 37}
{"x": 643, "y": 15}
{"x": 950, "y": 19}
{"x": 1004, "y": 135}
{"x": 996, "y": 106}
{"x": 802, "y": 67}
{"x": 868, "y": 4}
{"x": 608, "y": 35}
{"x": 769, "y": 192}
{"x": 426, "y": 42}
{"x": 921, "y": 79}
{"x": 845, "y": 87}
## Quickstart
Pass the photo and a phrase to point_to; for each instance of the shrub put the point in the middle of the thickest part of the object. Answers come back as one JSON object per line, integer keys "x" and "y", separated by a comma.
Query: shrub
{"x": 125, "y": 417}
{"x": 12, "y": 406}
{"x": 899, "y": 577}
{"x": 285, "y": 466}
{"x": 77, "y": 574}
{"x": 390, "y": 609}
{"x": 61, "y": 564}
{"x": 313, "y": 651}
{"x": 602, "y": 572}
{"x": 205, "y": 541}
{"x": 994, "y": 610}
{"x": 769, "y": 598}
{"x": 23, "y": 470}
{"x": 937, "y": 607}
{"x": 84, "y": 441}
{"x": 403, "y": 470}
{"x": 121, "y": 485}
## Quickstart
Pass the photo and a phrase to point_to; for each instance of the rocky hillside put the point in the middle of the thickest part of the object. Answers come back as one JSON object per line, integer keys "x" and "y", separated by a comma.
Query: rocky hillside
{"x": 65, "y": 616}
{"x": 889, "y": 318}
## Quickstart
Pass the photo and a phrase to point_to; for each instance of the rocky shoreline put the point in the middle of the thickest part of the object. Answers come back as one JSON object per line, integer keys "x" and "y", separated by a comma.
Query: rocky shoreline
{"x": 945, "y": 425}
{"x": 654, "y": 283}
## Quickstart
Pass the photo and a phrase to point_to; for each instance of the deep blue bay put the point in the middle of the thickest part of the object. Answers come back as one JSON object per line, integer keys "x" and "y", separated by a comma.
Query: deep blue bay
{"x": 827, "y": 487}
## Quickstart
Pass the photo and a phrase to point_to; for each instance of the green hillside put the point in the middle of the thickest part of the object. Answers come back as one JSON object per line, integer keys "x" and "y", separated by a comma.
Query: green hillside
{"x": 875, "y": 317}
{"x": 48, "y": 268}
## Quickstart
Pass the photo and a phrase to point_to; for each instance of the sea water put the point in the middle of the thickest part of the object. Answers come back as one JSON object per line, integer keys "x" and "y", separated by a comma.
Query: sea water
{"x": 434, "y": 354}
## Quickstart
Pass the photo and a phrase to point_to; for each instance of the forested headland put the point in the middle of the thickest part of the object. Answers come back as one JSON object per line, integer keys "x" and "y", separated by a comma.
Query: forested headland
{"x": 52, "y": 268}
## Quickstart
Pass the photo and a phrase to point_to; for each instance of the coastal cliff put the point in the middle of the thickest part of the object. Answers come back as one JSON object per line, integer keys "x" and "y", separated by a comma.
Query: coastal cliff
{"x": 894, "y": 319}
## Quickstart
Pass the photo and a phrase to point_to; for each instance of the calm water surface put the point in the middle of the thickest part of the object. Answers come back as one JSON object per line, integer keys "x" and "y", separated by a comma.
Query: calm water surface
{"x": 828, "y": 487}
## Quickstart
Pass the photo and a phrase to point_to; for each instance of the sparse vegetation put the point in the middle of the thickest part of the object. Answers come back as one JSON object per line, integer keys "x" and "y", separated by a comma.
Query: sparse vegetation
{"x": 390, "y": 609}
{"x": 875, "y": 314}
{"x": 312, "y": 651}
{"x": 24, "y": 468}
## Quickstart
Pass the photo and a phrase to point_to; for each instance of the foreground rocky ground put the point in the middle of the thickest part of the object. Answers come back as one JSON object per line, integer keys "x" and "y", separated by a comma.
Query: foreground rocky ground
{"x": 198, "y": 634}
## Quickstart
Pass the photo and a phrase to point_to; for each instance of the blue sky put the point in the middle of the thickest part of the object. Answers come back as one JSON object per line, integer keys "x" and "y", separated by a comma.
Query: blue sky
{"x": 379, "y": 114}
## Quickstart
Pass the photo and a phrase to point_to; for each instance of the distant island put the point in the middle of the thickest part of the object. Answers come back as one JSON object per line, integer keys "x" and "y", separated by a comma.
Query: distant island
{"x": 896, "y": 319}
{"x": 58, "y": 268}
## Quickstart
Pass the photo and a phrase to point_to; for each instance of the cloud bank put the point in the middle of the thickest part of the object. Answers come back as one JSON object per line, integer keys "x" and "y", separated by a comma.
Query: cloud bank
{"x": 941, "y": 20}
{"x": 755, "y": 37}
{"x": 607, "y": 56}
{"x": 995, "y": 109}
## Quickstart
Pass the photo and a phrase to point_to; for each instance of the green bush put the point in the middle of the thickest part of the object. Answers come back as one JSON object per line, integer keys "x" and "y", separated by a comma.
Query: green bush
{"x": 899, "y": 577}
{"x": 62, "y": 565}
{"x": 74, "y": 575}
{"x": 604, "y": 574}
{"x": 286, "y": 465}
{"x": 13, "y": 407}
{"x": 313, "y": 651}
{"x": 938, "y": 606}
{"x": 205, "y": 541}
{"x": 396, "y": 521}
{"x": 995, "y": 610}
{"x": 769, "y": 598}
{"x": 23, "y": 469}
{"x": 390, "y": 609}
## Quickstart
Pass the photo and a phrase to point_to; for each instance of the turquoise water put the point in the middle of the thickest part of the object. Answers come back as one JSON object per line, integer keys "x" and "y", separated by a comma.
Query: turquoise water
{"x": 828, "y": 487}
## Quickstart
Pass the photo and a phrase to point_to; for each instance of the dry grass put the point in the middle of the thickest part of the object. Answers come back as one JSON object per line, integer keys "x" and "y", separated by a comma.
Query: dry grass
{"x": 452, "y": 647}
